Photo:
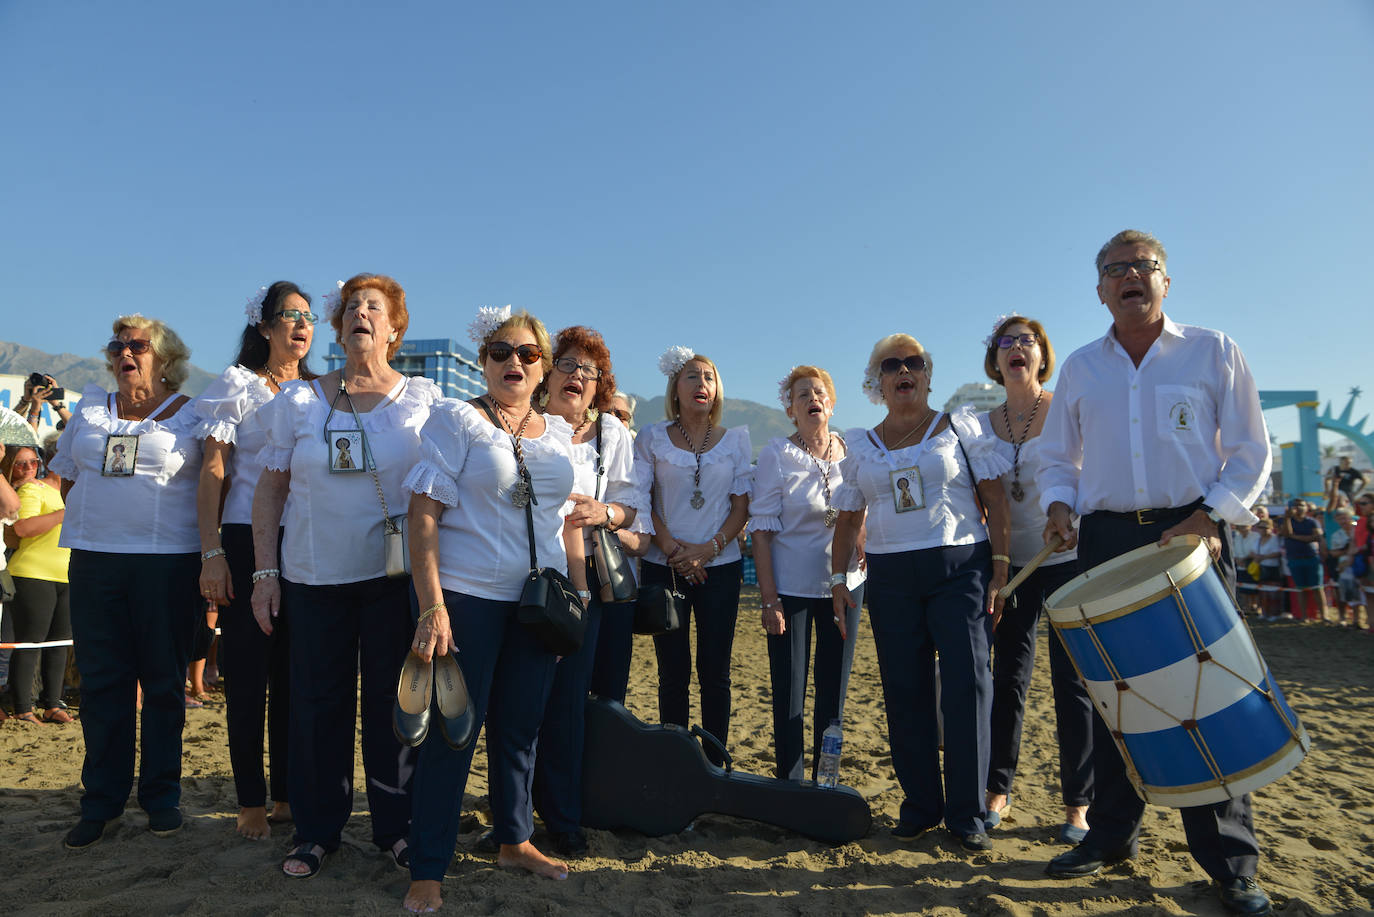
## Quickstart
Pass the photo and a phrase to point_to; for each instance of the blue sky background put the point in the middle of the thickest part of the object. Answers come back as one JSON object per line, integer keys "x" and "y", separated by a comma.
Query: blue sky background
{"x": 770, "y": 183}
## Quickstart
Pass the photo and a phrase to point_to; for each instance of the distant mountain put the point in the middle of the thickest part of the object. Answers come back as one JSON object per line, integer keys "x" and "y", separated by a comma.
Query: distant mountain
{"x": 75, "y": 373}
{"x": 763, "y": 422}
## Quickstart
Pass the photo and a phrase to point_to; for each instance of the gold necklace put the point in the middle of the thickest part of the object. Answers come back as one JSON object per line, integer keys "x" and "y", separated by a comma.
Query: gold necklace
{"x": 912, "y": 432}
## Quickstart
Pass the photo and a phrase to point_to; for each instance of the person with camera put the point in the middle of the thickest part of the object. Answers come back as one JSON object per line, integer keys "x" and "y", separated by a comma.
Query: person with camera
{"x": 40, "y": 388}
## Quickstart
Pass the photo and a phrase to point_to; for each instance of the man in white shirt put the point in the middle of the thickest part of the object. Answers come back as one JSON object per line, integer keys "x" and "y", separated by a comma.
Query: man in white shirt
{"x": 1155, "y": 431}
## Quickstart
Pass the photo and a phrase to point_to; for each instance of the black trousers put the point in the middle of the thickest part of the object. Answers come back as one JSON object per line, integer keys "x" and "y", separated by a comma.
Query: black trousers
{"x": 788, "y": 656}
{"x": 1013, "y": 662}
{"x": 41, "y": 612}
{"x": 132, "y": 618}
{"x": 1221, "y": 837}
{"x": 338, "y": 630}
{"x": 614, "y": 650}
{"x": 714, "y": 605}
{"x": 257, "y": 679}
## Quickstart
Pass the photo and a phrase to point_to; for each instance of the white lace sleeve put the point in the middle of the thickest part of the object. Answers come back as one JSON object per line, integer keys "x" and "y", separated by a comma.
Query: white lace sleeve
{"x": 279, "y": 418}
{"x": 848, "y": 497}
{"x": 644, "y": 480}
{"x": 622, "y": 484}
{"x": 62, "y": 463}
{"x": 765, "y": 503}
{"x": 743, "y": 483}
{"x": 444, "y": 441}
{"x": 223, "y": 405}
{"x": 985, "y": 460}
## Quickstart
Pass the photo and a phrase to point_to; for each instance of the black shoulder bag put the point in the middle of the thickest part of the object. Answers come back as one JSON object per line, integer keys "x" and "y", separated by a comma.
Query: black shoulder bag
{"x": 615, "y": 575}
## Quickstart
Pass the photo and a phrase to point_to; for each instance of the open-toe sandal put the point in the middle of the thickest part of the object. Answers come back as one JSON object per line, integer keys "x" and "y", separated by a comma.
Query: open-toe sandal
{"x": 305, "y": 854}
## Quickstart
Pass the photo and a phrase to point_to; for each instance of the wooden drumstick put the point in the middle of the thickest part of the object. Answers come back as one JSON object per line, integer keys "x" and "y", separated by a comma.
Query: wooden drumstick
{"x": 1006, "y": 591}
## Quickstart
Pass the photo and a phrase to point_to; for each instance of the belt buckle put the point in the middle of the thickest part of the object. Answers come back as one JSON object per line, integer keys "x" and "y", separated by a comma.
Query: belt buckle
{"x": 1140, "y": 517}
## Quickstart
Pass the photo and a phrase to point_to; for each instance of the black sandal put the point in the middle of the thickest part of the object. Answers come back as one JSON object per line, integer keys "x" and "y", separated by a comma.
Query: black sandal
{"x": 401, "y": 857}
{"x": 303, "y": 854}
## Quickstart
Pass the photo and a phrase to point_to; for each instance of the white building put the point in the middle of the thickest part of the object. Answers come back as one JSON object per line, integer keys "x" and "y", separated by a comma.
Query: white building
{"x": 984, "y": 396}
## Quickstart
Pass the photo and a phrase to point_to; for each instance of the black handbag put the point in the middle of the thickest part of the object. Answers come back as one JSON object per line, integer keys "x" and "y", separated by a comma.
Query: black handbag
{"x": 615, "y": 573}
{"x": 659, "y": 608}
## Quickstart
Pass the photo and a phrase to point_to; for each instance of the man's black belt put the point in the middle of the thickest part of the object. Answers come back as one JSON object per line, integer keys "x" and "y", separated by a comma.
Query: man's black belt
{"x": 1152, "y": 516}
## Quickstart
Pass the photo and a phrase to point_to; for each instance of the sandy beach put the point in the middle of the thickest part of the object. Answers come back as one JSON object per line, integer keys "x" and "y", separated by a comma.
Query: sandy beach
{"x": 1316, "y": 826}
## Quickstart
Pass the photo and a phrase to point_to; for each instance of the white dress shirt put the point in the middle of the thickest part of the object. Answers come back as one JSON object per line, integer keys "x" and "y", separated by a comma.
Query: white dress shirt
{"x": 789, "y": 501}
{"x": 334, "y": 523}
{"x": 935, "y": 508}
{"x": 669, "y": 471}
{"x": 617, "y": 482}
{"x": 468, "y": 465}
{"x": 1027, "y": 518}
{"x": 229, "y": 412}
{"x": 152, "y": 511}
{"x": 1185, "y": 424}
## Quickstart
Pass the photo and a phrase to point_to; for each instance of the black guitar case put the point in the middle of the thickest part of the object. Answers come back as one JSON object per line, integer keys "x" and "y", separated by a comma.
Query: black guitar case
{"x": 657, "y": 780}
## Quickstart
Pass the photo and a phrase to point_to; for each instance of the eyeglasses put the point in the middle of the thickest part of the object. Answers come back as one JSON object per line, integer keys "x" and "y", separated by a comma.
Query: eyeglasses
{"x": 1025, "y": 340}
{"x": 500, "y": 351}
{"x": 117, "y": 347}
{"x": 914, "y": 363}
{"x": 295, "y": 315}
{"x": 1119, "y": 268}
{"x": 569, "y": 366}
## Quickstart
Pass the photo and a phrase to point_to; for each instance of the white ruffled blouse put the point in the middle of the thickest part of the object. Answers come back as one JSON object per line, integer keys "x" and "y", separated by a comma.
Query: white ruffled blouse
{"x": 920, "y": 496}
{"x": 229, "y": 412}
{"x": 1027, "y": 518}
{"x": 616, "y": 482}
{"x": 789, "y": 501}
{"x": 334, "y": 523}
{"x": 152, "y": 511}
{"x": 669, "y": 469}
{"x": 468, "y": 465}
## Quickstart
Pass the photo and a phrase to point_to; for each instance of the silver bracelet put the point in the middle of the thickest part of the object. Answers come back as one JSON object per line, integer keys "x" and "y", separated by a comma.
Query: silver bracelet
{"x": 266, "y": 574}
{"x": 213, "y": 552}
{"x": 838, "y": 579}
{"x": 584, "y": 594}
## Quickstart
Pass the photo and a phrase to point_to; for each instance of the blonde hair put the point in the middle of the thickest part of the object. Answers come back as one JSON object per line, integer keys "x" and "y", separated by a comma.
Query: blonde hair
{"x": 522, "y": 319}
{"x": 805, "y": 372}
{"x": 670, "y": 405}
{"x": 990, "y": 366}
{"x": 169, "y": 350}
{"x": 872, "y": 384}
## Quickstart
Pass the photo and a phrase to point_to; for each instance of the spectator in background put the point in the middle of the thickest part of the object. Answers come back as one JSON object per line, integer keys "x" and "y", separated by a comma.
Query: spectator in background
{"x": 30, "y": 406}
{"x": 1268, "y": 550}
{"x": 623, "y": 407}
{"x": 1349, "y": 596}
{"x": 1345, "y": 476}
{"x": 1244, "y": 541}
{"x": 9, "y": 512}
{"x": 1302, "y": 541}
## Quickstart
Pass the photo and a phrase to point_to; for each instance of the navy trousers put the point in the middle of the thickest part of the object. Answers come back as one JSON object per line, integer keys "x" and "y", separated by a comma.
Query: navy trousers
{"x": 132, "y": 620}
{"x": 614, "y": 650}
{"x": 921, "y": 603}
{"x": 788, "y": 655}
{"x": 340, "y": 629}
{"x": 257, "y": 679}
{"x": 509, "y": 677}
{"x": 1013, "y": 662}
{"x": 1221, "y": 837}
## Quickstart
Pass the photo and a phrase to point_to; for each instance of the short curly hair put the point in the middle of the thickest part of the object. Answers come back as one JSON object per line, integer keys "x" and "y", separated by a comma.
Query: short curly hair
{"x": 990, "y": 357}
{"x": 590, "y": 342}
{"x": 172, "y": 354}
{"x": 522, "y": 319}
{"x": 395, "y": 303}
{"x": 806, "y": 372}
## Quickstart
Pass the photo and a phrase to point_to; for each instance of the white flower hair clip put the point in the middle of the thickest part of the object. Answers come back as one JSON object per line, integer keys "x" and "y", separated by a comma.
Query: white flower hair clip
{"x": 988, "y": 341}
{"x": 872, "y": 387}
{"x": 333, "y": 301}
{"x": 673, "y": 359}
{"x": 785, "y": 388}
{"x": 488, "y": 319}
{"x": 254, "y": 307}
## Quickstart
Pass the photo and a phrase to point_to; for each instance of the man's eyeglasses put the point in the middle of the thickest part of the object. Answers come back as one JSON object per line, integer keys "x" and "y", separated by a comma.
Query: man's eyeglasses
{"x": 117, "y": 347}
{"x": 568, "y": 366}
{"x": 500, "y": 351}
{"x": 1025, "y": 340}
{"x": 1119, "y": 268}
{"x": 914, "y": 363}
{"x": 295, "y": 315}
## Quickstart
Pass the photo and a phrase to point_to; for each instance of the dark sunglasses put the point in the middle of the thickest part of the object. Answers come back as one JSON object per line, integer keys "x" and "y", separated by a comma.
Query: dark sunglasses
{"x": 500, "y": 351}
{"x": 116, "y": 347}
{"x": 914, "y": 363}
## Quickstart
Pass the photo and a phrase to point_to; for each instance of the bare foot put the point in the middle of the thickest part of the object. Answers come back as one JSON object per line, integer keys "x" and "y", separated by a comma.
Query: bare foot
{"x": 527, "y": 856}
{"x": 423, "y": 897}
{"x": 281, "y": 813}
{"x": 1076, "y": 816}
{"x": 253, "y": 823}
{"x": 997, "y": 802}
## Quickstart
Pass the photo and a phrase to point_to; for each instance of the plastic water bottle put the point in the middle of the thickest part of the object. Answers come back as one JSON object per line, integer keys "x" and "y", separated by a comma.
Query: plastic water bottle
{"x": 832, "y": 740}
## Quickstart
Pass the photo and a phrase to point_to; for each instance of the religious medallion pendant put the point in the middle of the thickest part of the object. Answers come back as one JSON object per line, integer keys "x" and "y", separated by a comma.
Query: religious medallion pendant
{"x": 698, "y": 501}
{"x": 831, "y": 514}
{"x": 520, "y": 494}
{"x": 1018, "y": 493}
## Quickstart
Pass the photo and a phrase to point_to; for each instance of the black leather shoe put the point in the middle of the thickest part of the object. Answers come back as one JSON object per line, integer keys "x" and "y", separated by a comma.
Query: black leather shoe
{"x": 487, "y": 842}
{"x": 569, "y": 843}
{"x": 456, "y": 716}
{"x": 1085, "y": 860}
{"x": 86, "y": 833}
{"x": 414, "y": 689}
{"x": 975, "y": 843}
{"x": 164, "y": 822}
{"x": 906, "y": 830}
{"x": 1243, "y": 895}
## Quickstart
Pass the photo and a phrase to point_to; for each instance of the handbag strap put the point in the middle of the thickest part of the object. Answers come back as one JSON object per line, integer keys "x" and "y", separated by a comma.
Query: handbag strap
{"x": 368, "y": 463}
{"x": 600, "y": 467}
{"x": 524, "y": 472}
{"x": 977, "y": 497}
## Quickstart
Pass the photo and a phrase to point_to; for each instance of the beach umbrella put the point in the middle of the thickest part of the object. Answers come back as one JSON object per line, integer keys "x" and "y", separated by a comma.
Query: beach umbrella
{"x": 15, "y": 431}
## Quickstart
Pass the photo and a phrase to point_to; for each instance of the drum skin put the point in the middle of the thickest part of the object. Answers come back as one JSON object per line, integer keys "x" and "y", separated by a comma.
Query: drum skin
{"x": 1175, "y": 673}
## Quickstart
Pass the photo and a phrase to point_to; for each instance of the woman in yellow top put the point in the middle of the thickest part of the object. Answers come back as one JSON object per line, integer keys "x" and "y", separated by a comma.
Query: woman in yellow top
{"x": 40, "y": 609}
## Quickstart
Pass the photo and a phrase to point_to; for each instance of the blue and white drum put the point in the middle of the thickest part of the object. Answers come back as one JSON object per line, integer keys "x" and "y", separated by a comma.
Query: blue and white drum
{"x": 1175, "y": 674}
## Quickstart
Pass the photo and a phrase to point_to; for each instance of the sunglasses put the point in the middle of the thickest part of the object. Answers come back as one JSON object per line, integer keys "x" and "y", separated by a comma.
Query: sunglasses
{"x": 623, "y": 416}
{"x": 295, "y": 315}
{"x": 25, "y": 463}
{"x": 529, "y": 354}
{"x": 117, "y": 347}
{"x": 914, "y": 363}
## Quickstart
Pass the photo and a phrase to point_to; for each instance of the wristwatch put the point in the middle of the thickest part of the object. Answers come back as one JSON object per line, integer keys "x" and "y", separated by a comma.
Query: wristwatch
{"x": 610, "y": 515}
{"x": 1211, "y": 514}
{"x": 838, "y": 579}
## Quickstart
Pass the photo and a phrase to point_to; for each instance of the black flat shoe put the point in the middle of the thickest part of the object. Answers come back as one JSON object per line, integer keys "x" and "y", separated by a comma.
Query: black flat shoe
{"x": 975, "y": 843}
{"x": 164, "y": 822}
{"x": 1243, "y": 895}
{"x": 1084, "y": 860}
{"x": 487, "y": 842}
{"x": 569, "y": 843}
{"x": 414, "y": 688}
{"x": 86, "y": 833}
{"x": 457, "y": 719}
{"x": 905, "y": 831}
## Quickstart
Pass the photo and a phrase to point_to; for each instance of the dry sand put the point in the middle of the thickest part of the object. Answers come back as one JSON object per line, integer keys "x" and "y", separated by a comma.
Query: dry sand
{"x": 1316, "y": 826}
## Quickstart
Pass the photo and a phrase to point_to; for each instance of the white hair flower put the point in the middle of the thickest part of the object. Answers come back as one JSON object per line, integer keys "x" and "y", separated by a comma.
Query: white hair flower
{"x": 785, "y": 388}
{"x": 673, "y": 359}
{"x": 488, "y": 319}
{"x": 333, "y": 302}
{"x": 990, "y": 340}
{"x": 254, "y": 307}
{"x": 872, "y": 387}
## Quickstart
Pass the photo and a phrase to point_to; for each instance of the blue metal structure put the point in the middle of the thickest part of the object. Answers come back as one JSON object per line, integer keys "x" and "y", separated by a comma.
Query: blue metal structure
{"x": 1302, "y": 468}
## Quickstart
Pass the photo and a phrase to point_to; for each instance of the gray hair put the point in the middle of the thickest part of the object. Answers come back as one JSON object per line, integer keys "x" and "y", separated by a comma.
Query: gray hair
{"x": 1128, "y": 237}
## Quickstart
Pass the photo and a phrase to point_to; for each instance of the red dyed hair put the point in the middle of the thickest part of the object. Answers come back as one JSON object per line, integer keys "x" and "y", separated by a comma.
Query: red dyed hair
{"x": 395, "y": 303}
{"x": 590, "y": 342}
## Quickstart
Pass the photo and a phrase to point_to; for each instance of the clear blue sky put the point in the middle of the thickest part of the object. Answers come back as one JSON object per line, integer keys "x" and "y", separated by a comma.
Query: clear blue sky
{"x": 769, "y": 182}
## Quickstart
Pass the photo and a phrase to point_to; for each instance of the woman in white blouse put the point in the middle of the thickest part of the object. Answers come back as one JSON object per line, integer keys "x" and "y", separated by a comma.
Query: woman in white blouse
{"x": 130, "y": 461}
{"x": 579, "y": 389}
{"x": 331, "y": 581}
{"x": 483, "y": 465}
{"x": 923, "y": 480}
{"x": 1019, "y": 356}
{"x": 271, "y": 353}
{"x": 792, "y": 517}
{"x": 700, "y": 476}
